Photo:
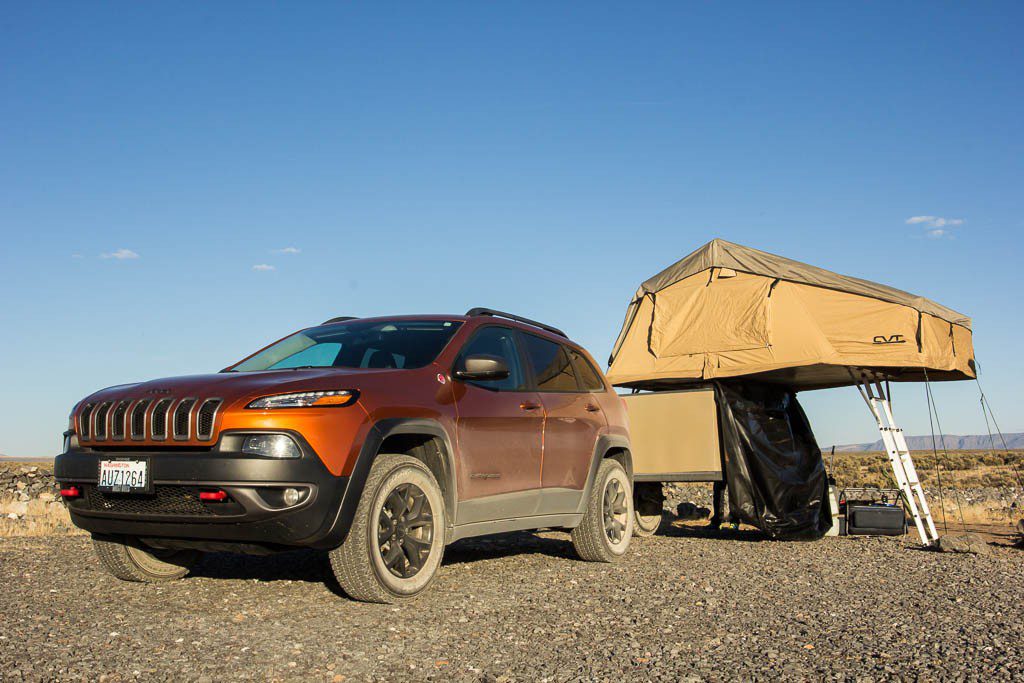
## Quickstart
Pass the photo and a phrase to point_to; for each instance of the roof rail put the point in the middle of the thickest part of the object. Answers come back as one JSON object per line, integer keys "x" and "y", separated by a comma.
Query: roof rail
{"x": 518, "y": 318}
{"x": 339, "y": 319}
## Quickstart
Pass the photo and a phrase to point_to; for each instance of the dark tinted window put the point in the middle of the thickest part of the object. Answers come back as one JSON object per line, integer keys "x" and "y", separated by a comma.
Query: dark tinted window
{"x": 550, "y": 363}
{"x": 590, "y": 379}
{"x": 500, "y": 342}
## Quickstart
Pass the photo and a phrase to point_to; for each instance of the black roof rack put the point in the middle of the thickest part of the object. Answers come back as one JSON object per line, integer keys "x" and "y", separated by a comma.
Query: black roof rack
{"x": 518, "y": 318}
{"x": 339, "y": 319}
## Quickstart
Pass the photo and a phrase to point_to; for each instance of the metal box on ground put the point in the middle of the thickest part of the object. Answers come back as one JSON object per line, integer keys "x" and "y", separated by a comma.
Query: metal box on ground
{"x": 875, "y": 520}
{"x": 873, "y": 512}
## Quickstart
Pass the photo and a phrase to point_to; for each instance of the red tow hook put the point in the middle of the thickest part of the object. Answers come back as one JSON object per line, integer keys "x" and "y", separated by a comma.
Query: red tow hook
{"x": 213, "y": 496}
{"x": 70, "y": 492}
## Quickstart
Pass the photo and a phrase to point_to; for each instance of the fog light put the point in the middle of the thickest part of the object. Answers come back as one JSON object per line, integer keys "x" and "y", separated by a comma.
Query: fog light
{"x": 270, "y": 446}
{"x": 291, "y": 496}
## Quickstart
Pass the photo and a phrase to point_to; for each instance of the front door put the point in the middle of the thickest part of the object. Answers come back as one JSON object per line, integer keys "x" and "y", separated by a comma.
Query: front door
{"x": 499, "y": 429}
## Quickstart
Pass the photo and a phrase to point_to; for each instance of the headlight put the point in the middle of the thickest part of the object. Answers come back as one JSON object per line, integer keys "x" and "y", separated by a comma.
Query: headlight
{"x": 306, "y": 399}
{"x": 270, "y": 446}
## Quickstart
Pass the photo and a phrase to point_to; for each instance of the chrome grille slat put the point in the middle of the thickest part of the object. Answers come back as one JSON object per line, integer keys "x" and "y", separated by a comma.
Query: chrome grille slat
{"x": 138, "y": 420}
{"x": 99, "y": 429}
{"x": 206, "y": 416}
{"x": 158, "y": 420}
{"x": 118, "y": 420}
{"x": 85, "y": 421}
{"x": 182, "y": 419}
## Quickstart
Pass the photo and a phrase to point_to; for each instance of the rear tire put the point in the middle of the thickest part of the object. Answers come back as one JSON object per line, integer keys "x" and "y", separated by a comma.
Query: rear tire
{"x": 646, "y": 525}
{"x": 648, "y": 501}
{"x": 607, "y": 526}
{"x": 132, "y": 561}
{"x": 395, "y": 545}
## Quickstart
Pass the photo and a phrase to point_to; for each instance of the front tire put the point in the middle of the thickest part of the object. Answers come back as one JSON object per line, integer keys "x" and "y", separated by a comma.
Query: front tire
{"x": 607, "y": 526}
{"x": 131, "y": 561}
{"x": 395, "y": 545}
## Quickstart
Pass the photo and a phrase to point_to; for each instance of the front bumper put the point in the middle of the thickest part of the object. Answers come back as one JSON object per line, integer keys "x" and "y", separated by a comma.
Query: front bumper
{"x": 254, "y": 513}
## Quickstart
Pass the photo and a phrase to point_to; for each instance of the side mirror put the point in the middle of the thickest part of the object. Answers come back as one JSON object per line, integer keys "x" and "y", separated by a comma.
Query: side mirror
{"x": 482, "y": 368}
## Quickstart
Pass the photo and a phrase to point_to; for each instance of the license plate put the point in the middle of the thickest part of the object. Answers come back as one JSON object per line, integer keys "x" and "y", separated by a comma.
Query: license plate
{"x": 124, "y": 476}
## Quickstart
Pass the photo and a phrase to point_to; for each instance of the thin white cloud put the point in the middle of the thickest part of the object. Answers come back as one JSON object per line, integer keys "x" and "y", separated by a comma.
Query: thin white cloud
{"x": 934, "y": 221}
{"x": 938, "y": 234}
{"x": 76, "y": 256}
{"x": 263, "y": 267}
{"x": 121, "y": 254}
{"x": 287, "y": 250}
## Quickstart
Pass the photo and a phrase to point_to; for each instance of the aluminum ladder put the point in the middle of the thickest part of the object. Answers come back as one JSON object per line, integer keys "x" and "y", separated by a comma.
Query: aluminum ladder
{"x": 877, "y": 397}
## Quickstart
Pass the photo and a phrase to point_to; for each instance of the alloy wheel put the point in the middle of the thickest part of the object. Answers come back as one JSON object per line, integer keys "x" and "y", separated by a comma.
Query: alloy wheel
{"x": 405, "y": 530}
{"x": 614, "y": 511}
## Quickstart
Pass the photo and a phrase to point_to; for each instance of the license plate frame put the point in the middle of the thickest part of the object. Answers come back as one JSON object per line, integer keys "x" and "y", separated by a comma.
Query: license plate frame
{"x": 105, "y": 485}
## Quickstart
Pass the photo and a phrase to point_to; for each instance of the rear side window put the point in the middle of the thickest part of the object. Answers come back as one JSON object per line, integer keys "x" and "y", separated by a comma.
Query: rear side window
{"x": 500, "y": 342}
{"x": 590, "y": 378}
{"x": 550, "y": 363}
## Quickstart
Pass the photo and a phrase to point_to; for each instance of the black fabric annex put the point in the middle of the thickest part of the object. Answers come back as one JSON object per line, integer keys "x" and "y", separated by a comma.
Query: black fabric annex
{"x": 772, "y": 463}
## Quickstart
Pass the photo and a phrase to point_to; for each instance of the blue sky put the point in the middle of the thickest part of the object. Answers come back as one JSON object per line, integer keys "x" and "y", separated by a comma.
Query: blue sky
{"x": 543, "y": 158}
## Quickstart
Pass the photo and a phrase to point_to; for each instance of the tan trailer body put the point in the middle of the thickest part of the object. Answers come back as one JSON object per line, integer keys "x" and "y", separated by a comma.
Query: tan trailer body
{"x": 674, "y": 435}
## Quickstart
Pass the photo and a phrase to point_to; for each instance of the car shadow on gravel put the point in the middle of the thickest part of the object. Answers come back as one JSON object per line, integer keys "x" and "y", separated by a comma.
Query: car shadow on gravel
{"x": 313, "y": 566}
{"x": 508, "y": 545}
{"x": 299, "y": 565}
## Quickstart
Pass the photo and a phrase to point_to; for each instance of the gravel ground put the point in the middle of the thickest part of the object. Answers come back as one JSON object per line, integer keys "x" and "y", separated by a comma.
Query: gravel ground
{"x": 682, "y": 606}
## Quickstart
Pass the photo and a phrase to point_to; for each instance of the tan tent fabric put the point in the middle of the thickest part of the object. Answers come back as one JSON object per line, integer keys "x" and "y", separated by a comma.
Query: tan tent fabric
{"x": 732, "y": 311}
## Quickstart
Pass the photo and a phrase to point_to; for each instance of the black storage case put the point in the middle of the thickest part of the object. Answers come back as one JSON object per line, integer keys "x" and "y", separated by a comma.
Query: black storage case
{"x": 875, "y": 520}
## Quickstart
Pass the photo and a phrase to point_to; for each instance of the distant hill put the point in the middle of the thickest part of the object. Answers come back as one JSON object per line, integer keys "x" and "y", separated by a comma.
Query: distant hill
{"x": 953, "y": 442}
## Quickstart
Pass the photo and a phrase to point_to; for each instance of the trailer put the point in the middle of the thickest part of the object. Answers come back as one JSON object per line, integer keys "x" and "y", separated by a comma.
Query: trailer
{"x": 674, "y": 438}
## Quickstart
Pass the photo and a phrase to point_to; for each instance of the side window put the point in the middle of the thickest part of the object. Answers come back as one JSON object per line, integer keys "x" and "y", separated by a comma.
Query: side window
{"x": 590, "y": 378}
{"x": 500, "y": 342}
{"x": 550, "y": 365}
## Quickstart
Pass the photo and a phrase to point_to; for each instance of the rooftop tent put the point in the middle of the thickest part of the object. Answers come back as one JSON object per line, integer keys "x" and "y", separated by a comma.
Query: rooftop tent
{"x": 759, "y": 328}
{"x": 729, "y": 311}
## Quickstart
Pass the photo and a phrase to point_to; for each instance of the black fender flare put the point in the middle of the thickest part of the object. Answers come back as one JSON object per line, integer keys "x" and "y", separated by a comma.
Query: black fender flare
{"x": 368, "y": 452}
{"x": 605, "y": 443}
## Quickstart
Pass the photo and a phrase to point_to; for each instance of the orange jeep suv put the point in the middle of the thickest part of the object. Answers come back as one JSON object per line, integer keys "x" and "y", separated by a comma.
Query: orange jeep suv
{"x": 380, "y": 440}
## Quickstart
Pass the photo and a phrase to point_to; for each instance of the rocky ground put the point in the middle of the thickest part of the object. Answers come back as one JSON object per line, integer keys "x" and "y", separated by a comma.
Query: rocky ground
{"x": 22, "y": 482}
{"x": 681, "y": 606}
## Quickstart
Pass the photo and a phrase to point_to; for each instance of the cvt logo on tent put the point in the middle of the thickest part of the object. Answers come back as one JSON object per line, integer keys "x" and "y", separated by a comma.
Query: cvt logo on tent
{"x": 894, "y": 339}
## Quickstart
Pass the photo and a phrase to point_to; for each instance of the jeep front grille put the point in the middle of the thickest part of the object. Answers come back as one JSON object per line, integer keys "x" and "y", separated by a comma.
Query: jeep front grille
{"x": 181, "y": 419}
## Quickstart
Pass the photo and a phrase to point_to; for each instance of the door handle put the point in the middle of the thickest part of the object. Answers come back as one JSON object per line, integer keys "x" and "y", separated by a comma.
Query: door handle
{"x": 528, "y": 405}
{"x": 593, "y": 408}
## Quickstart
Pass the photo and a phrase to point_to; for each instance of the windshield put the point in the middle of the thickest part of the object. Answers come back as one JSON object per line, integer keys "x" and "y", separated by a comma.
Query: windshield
{"x": 382, "y": 344}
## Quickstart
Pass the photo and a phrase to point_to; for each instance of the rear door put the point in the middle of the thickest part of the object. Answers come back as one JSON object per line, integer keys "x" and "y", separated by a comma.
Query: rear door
{"x": 498, "y": 428}
{"x": 573, "y": 422}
